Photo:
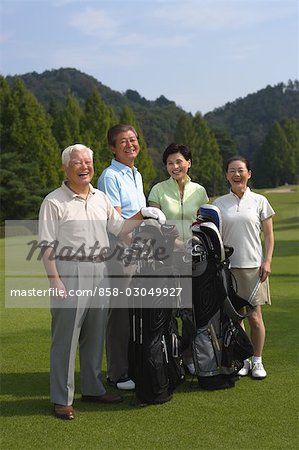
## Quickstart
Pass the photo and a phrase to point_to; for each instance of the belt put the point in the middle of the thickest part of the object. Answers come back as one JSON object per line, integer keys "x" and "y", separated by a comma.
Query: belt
{"x": 93, "y": 259}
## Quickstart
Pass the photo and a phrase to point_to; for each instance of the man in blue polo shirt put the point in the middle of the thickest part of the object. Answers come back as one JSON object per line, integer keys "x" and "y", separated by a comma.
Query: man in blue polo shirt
{"x": 122, "y": 183}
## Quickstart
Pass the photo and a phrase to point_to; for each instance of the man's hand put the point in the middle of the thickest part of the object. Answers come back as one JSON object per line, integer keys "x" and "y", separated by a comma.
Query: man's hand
{"x": 154, "y": 213}
{"x": 58, "y": 287}
{"x": 54, "y": 279}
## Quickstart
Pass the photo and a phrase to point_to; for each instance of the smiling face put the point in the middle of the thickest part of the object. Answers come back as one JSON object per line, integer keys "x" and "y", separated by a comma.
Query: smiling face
{"x": 126, "y": 148}
{"x": 177, "y": 166}
{"x": 238, "y": 175}
{"x": 79, "y": 171}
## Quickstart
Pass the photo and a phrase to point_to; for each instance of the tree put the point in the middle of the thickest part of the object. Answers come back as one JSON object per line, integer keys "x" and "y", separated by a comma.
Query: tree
{"x": 277, "y": 162}
{"x": 291, "y": 130}
{"x": 143, "y": 161}
{"x": 269, "y": 162}
{"x": 185, "y": 133}
{"x": 227, "y": 145}
{"x": 96, "y": 121}
{"x": 5, "y": 119}
{"x": 30, "y": 159}
{"x": 206, "y": 166}
{"x": 67, "y": 123}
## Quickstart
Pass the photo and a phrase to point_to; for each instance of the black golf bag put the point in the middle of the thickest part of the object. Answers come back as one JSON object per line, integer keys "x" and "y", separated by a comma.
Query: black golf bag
{"x": 155, "y": 362}
{"x": 220, "y": 345}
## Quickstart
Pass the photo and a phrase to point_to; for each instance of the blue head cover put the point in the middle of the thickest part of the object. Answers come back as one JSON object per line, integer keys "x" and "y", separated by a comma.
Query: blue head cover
{"x": 210, "y": 213}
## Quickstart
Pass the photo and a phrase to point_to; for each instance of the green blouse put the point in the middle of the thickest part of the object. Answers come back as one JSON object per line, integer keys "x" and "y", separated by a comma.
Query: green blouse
{"x": 181, "y": 211}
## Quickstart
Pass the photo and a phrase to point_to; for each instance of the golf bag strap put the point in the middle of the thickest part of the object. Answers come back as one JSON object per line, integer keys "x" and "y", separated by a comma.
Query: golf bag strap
{"x": 232, "y": 312}
{"x": 232, "y": 298}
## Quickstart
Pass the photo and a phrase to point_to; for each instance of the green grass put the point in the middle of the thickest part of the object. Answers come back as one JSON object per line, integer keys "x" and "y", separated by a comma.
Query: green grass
{"x": 255, "y": 414}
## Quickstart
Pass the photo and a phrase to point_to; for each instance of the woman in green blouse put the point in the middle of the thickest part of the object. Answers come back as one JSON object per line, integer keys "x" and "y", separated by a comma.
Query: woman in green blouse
{"x": 179, "y": 198}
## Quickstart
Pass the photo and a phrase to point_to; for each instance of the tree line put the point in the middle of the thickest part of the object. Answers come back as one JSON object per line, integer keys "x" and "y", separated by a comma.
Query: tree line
{"x": 32, "y": 140}
{"x": 247, "y": 120}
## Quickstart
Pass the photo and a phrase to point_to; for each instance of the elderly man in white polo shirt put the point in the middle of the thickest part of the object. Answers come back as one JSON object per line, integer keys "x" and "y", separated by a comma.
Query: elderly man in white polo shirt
{"x": 73, "y": 224}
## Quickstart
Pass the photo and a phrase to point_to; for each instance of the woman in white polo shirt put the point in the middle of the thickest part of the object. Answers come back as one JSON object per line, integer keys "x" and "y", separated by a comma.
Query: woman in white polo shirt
{"x": 244, "y": 215}
{"x": 179, "y": 198}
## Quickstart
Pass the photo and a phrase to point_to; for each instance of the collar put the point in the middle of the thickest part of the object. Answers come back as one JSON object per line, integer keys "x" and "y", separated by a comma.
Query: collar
{"x": 172, "y": 180}
{"x": 72, "y": 193}
{"x": 246, "y": 193}
{"x": 122, "y": 167}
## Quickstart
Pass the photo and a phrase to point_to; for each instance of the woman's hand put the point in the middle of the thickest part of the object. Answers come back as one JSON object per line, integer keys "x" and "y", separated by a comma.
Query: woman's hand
{"x": 265, "y": 270}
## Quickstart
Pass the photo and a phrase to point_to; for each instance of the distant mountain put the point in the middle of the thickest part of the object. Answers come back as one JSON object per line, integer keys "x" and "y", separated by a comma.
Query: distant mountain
{"x": 246, "y": 119}
{"x": 249, "y": 119}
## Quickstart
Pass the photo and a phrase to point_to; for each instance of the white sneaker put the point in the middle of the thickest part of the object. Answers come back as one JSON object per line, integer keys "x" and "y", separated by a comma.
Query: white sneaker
{"x": 191, "y": 368}
{"x": 127, "y": 385}
{"x": 245, "y": 369}
{"x": 258, "y": 371}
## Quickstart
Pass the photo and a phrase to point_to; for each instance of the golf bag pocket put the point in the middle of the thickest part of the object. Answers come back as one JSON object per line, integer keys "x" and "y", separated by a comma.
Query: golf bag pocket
{"x": 236, "y": 345}
{"x": 176, "y": 372}
{"x": 157, "y": 360}
{"x": 205, "y": 354}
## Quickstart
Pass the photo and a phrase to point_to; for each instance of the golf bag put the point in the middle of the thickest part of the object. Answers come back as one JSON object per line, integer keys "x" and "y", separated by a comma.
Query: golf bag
{"x": 220, "y": 345}
{"x": 155, "y": 362}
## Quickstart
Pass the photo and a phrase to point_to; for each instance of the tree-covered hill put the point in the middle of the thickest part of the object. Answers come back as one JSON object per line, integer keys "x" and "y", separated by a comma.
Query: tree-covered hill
{"x": 248, "y": 120}
{"x": 158, "y": 119}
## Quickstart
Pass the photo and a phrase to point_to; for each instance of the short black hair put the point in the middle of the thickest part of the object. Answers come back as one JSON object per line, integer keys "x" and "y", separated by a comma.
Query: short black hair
{"x": 177, "y": 148}
{"x": 119, "y": 128}
{"x": 237, "y": 158}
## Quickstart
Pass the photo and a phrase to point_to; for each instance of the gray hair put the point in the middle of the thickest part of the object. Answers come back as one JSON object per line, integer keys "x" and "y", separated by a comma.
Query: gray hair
{"x": 66, "y": 154}
{"x": 114, "y": 131}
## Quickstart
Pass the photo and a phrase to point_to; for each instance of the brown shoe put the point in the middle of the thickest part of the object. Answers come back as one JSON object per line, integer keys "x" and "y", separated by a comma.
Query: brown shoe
{"x": 106, "y": 398}
{"x": 64, "y": 412}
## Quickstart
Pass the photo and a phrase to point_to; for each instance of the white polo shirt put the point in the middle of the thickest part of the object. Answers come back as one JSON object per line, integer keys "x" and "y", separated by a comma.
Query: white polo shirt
{"x": 241, "y": 226}
{"x": 68, "y": 222}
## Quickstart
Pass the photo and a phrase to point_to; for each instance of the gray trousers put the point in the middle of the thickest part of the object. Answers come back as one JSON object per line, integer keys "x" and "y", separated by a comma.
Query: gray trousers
{"x": 79, "y": 319}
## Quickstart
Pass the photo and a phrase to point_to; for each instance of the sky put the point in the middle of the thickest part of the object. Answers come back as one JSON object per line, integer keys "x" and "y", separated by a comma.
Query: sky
{"x": 199, "y": 53}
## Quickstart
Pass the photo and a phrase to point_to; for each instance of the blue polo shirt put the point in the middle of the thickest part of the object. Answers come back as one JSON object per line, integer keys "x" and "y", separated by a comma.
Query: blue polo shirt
{"x": 124, "y": 188}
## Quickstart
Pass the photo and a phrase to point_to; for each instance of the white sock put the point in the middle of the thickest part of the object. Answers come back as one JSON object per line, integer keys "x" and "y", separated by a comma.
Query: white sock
{"x": 257, "y": 359}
